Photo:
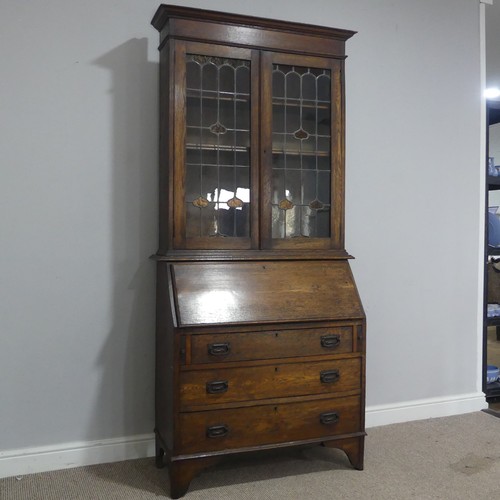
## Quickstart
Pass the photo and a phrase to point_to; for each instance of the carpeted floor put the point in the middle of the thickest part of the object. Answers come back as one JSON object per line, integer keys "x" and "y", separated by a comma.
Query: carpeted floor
{"x": 446, "y": 458}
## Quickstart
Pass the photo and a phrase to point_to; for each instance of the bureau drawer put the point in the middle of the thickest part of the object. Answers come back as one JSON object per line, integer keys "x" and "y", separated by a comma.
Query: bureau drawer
{"x": 213, "y": 348}
{"x": 224, "y": 385}
{"x": 269, "y": 424}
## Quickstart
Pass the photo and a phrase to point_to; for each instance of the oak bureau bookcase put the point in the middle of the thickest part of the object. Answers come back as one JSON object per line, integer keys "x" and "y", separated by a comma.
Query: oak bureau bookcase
{"x": 260, "y": 328}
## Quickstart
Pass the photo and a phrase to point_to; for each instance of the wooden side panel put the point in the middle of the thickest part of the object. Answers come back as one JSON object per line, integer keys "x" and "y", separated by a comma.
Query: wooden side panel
{"x": 165, "y": 361}
{"x": 256, "y": 292}
{"x": 165, "y": 149}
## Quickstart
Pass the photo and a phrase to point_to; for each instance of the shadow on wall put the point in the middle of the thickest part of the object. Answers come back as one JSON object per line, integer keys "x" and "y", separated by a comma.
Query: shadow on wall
{"x": 125, "y": 403}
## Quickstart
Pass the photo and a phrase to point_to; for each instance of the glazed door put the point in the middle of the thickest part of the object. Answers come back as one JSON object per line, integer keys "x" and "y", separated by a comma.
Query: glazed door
{"x": 216, "y": 147}
{"x": 302, "y": 152}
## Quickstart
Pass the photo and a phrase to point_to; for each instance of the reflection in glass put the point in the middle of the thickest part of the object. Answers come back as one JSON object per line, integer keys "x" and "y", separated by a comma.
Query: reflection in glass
{"x": 309, "y": 86}
{"x": 242, "y": 77}
{"x": 292, "y": 84}
{"x": 278, "y": 84}
{"x": 292, "y": 161}
{"x": 324, "y": 88}
{"x": 217, "y": 183}
{"x": 278, "y": 222}
{"x": 209, "y": 76}
{"x": 293, "y": 119}
{"x": 226, "y": 78}
{"x": 301, "y": 179}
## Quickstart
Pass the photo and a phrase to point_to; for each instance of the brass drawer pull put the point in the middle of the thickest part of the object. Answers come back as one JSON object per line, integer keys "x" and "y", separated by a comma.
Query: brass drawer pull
{"x": 329, "y": 376}
{"x": 217, "y": 386}
{"x": 221, "y": 349}
{"x": 330, "y": 341}
{"x": 217, "y": 431}
{"x": 329, "y": 418}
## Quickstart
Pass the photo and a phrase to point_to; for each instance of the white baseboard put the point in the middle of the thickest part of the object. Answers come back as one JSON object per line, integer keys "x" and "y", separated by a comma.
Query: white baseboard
{"x": 424, "y": 408}
{"x": 76, "y": 454}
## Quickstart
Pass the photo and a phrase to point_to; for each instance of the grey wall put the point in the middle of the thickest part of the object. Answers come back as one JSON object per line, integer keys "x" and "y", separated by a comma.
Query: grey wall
{"x": 492, "y": 22}
{"x": 78, "y": 204}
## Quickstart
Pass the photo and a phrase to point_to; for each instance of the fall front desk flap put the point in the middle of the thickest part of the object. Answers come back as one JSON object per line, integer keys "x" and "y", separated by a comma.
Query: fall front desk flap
{"x": 263, "y": 292}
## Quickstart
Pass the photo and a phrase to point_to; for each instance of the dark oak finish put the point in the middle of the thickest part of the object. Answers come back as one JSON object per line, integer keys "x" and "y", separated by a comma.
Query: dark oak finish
{"x": 270, "y": 345}
{"x": 231, "y": 29}
{"x": 260, "y": 338}
{"x": 221, "y": 385}
{"x": 258, "y": 425}
{"x": 250, "y": 292}
{"x": 354, "y": 449}
{"x": 181, "y": 473}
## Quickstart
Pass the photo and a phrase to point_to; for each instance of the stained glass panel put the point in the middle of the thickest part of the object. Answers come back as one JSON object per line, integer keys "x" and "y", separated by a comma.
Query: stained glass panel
{"x": 217, "y": 192}
{"x": 301, "y": 180}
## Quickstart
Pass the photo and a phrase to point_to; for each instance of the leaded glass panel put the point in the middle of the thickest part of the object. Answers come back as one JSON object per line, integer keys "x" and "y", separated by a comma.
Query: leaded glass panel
{"x": 301, "y": 160}
{"x": 217, "y": 183}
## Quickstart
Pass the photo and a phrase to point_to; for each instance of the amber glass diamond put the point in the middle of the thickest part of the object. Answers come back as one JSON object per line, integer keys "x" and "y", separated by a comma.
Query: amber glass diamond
{"x": 301, "y": 134}
{"x": 285, "y": 204}
{"x": 200, "y": 202}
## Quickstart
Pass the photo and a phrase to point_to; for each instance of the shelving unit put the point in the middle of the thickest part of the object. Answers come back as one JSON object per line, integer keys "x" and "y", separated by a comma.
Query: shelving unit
{"x": 491, "y": 390}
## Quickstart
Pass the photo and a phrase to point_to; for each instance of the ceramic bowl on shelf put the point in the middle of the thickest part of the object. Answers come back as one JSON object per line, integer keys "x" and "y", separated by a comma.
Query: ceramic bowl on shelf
{"x": 492, "y": 374}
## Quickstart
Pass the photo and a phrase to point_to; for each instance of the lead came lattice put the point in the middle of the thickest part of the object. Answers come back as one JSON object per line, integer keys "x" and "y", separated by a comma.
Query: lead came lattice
{"x": 301, "y": 204}
{"x": 217, "y": 195}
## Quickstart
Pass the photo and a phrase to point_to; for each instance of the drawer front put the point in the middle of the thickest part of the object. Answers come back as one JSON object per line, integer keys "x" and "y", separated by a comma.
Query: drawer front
{"x": 259, "y": 425}
{"x": 224, "y": 385}
{"x": 214, "y": 348}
